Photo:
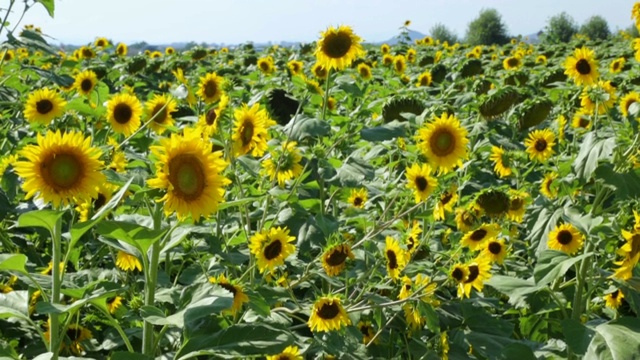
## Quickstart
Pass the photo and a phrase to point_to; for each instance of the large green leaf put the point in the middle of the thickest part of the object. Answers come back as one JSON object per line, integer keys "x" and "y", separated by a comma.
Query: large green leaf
{"x": 627, "y": 184}
{"x": 546, "y": 221}
{"x": 40, "y": 218}
{"x": 515, "y": 288}
{"x": 388, "y": 131}
{"x": 138, "y": 236}
{"x": 49, "y": 5}
{"x": 13, "y": 262}
{"x": 577, "y": 336}
{"x": 552, "y": 264}
{"x": 304, "y": 127}
{"x": 123, "y": 355}
{"x": 14, "y": 304}
{"x": 592, "y": 150}
{"x": 616, "y": 340}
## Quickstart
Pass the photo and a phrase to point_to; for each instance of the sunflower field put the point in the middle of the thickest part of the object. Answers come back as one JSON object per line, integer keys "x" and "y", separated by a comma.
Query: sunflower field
{"x": 335, "y": 200}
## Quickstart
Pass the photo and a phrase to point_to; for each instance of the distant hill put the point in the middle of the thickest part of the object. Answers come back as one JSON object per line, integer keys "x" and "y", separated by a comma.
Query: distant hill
{"x": 413, "y": 35}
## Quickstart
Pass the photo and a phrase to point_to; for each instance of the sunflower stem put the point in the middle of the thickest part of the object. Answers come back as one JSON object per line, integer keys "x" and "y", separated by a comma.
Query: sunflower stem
{"x": 6, "y": 16}
{"x": 56, "y": 236}
{"x": 326, "y": 94}
{"x": 151, "y": 275}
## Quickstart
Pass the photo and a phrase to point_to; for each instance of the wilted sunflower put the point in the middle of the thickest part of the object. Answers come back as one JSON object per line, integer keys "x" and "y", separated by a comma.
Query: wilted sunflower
{"x": 540, "y": 145}
{"x": 338, "y": 47}
{"x": 364, "y": 70}
{"x": 190, "y": 173}
{"x": 517, "y": 204}
{"x": 420, "y": 180}
{"x": 250, "y": 130}
{"x": 283, "y": 163}
{"x": 265, "y": 65}
{"x": 476, "y": 239}
{"x": 547, "y": 187}
{"x": 85, "y": 82}
{"x": 614, "y": 300}
{"x": 565, "y": 238}
{"x": 121, "y": 49}
{"x": 617, "y": 65}
{"x": 396, "y": 257}
{"x": 61, "y": 169}
{"x": 208, "y": 121}
{"x": 73, "y": 338}
{"x": 501, "y": 162}
{"x": 113, "y": 304}
{"x": 88, "y": 207}
{"x": 447, "y": 200}
{"x": 289, "y": 353}
{"x": 319, "y": 71}
{"x": 210, "y": 88}
{"x": 628, "y": 100}
{"x": 598, "y": 97}
{"x": 444, "y": 142}
{"x": 128, "y": 262}
{"x": 328, "y": 314}
{"x": 160, "y": 108}
{"x": 334, "y": 259}
{"x": 495, "y": 250}
{"x": 512, "y": 63}
{"x": 43, "y": 105}
{"x": 479, "y": 270}
{"x": 466, "y": 219}
{"x": 124, "y": 111}
{"x": 367, "y": 331}
{"x": 239, "y": 297}
{"x": 493, "y": 202}
{"x": 271, "y": 247}
{"x": 582, "y": 66}
{"x": 358, "y": 198}
{"x": 295, "y": 66}
{"x": 424, "y": 79}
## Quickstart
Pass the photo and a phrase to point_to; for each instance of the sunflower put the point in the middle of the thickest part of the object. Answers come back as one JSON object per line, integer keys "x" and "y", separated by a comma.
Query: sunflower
{"x": 113, "y": 304}
{"x": 101, "y": 42}
{"x": 265, "y": 65}
{"x": 284, "y": 163}
{"x": 338, "y": 47}
{"x": 413, "y": 238}
{"x": 517, "y": 204}
{"x": 295, "y": 66}
{"x": 614, "y": 299}
{"x": 208, "y": 121}
{"x": 599, "y": 97}
{"x": 399, "y": 64}
{"x": 420, "y": 180}
{"x": 358, "y": 198}
{"x": 495, "y": 251}
{"x": 582, "y": 66}
{"x": 9, "y": 55}
{"x": 289, "y": 353}
{"x": 492, "y": 202}
{"x": 160, "y": 108}
{"x": 328, "y": 314}
{"x": 73, "y": 338}
{"x": 364, "y": 70}
{"x": 479, "y": 270}
{"x": 155, "y": 55}
{"x": 512, "y": 63}
{"x": 581, "y": 120}
{"x": 466, "y": 218}
{"x": 443, "y": 142}
{"x": 396, "y": 257}
{"x": 43, "y": 105}
{"x": 49, "y": 269}
{"x": 239, "y": 297}
{"x": 547, "y": 187}
{"x": 565, "y": 238}
{"x": 541, "y": 59}
{"x": 631, "y": 255}
{"x": 271, "y": 247}
{"x": 250, "y": 130}
{"x": 447, "y": 200}
{"x": 459, "y": 273}
{"x": 86, "y": 52}
{"x": 476, "y": 239}
{"x": 540, "y": 145}
{"x": 313, "y": 87}
{"x": 88, "y": 207}
{"x": 424, "y": 79}
{"x": 384, "y": 49}
{"x": 61, "y": 169}
{"x": 628, "y": 100}
{"x": 387, "y": 60}
{"x": 169, "y": 50}
{"x": 85, "y": 82}
{"x": 319, "y": 71}
{"x": 617, "y": 65}
{"x": 412, "y": 315}
{"x": 210, "y": 89}
{"x": 411, "y": 55}
{"x": 562, "y": 122}
{"x": 124, "y": 111}
{"x": 118, "y": 162}
{"x": 33, "y": 301}
{"x": 334, "y": 259}
{"x": 367, "y": 331}
{"x": 127, "y": 262}
{"x": 501, "y": 161}
{"x": 190, "y": 173}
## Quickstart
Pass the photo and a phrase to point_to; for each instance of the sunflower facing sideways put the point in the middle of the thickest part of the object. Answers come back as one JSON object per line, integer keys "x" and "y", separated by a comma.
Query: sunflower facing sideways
{"x": 239, "y": 297}
{"x": 540, "y": 145}
{"x": 160, "y": 108}
{"x": 501, "y": 162}
{"x": 599, "y": 97}
{"x": 614, "y": 299}
{"x": 128, "y": 262}
{"x": 210, "y": 88}
{"x": 283, "y": 163}
{"x": 582, "y": 66}
{"x": 445, "y": 205}
{"x": 396, "y": 257}
{"x": 479, "y": 270}
{"x": 85, "y": 82}
{"x": 444, "y": 142}
{"x": 43, "y": 105}
{"x": 565, "y": 238}
{"x": 289, "y": 353}
{"x": 121, "y": 49}
{"x": 271, "y": 247}
{"x": 334, "y": 259}
{"x": 338, "y": 47}
{"x": 420, "y": 180}
{"x": 250, "y": 130}
{"x": 208, "y": 121}
{"x": 191, "y": 174}
{"x": 328, "y": 314}
{"x": 628, "y": 100}
{"x": 123, "y": 112}
{"x": 88, "y": 207}
{"x": 476, "y": 239}
{"x": 61, "y": 168}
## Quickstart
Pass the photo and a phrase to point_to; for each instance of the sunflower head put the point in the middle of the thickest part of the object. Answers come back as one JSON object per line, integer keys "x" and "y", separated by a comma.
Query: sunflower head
{"x": 582, "y": 66}
{"x": 364, "y": 70}
{"x": 85, "y": 82}
{"x": 444, "y": 142}
{"x": 124, "y": 112}
{"x": 44, "y": 105}
{"x": 284, "y": 163}
{"x": 493, "y": 202}
{"x": 420, "y": 180}
{"x": 239, "y": 297}
{"x": 210, "y": 88}
{"x": 358, "y": 198}
{"x": 614, "y": 299}
{"x": 250, "y": 130}
{"x": 396, "y": 257}
{"x": 540, "y": 144}
{"x": 160, "y": 108}
{"x": 328, "y": 314}
{"x": 335, "y": 258}
{"x": 565, "y": 238}
{"x": 338, "y": 47}
{"x": 271, "y": 247}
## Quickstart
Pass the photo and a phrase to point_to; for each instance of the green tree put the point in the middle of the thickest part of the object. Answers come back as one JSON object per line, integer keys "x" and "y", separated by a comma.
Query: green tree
{"x": 487, "y": 29}
{"x": 560, "y": 29}
{"x": 596, "y": 28}
{"x": 440, "y": 32}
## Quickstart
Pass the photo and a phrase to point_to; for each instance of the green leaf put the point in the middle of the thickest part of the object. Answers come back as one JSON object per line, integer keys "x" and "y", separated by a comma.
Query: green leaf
{"x": 49, "y": 5}
{"x": 348, "y": 84}
{"x": 215, "y": 301}
{"x": 240, "y": 202}
{"x": 136, "y": 235}
{"x": 577, "y": 336}
{"x": 515, "y": 288}
{"x": 617, "y": 340}
{"x": 517, "y": 351}
{"x": 14, "y": 304}
{"x": 627, "y": 184}
{"x": 592, "y": 150}
{"x": 153, "y": 315}
{"x": 388, "y": 131}
{"x": 353, "y": 172}
{"x": 553, "y": 264}
{"x": 304, "y": 127}
{"x": 13, "y": 262}
{"x": 40, "y": 218}
{"x": 123, "y": 355}
{"x": 545, "y": 223}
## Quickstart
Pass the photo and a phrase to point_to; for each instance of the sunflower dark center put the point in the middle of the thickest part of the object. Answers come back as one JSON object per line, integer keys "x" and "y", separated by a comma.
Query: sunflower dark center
{"x": 328, "y": 311}
{"x": 160, "y": 115}
{"x": 295, "y": 67}
{"x": 364, "y": 329}
{"x": 446, "y": 197}
{"x": 614, "y": 295}
{"x": 357, "y": 201}
{"x": 229, "y": 287}
{"x": 616, "y": 65}
{"x": 474, "y": 272}
{"x": 565, "y": 237}
{"x": 273, "y": 250}
{"x": 264, "y": 66}
{"x": 516, "y": 204}
{"x": 246, "y": 132}
{"x": 478, "y": 235}
{"x": 186, "y": 175}
{"x": 457, "y": 274}
{"x": 99, "y": 202}
{"x": 442, "y": 142}
{"x": 210, "y": 89}
{"x": 337, "y": 257}
{"x": 424, "y": 80}
{"x": 210, "y": 117}
{"x": 393, "y": 260}
{"x": 411, "y": 242}
{"x": 74, "y": 334}
{"x": 421, "y": 183}
{"x": 122, "y": 113}
{"x": 320, "y": 72}
{"x": 540, "y": 145}
{"x": 336, "y": 44}
{"x": 583, "y": 67}
{"x": 364, "y": 71}
{"x": 62, "y": 171}
{"x": 513, "y": 62}
{"x": 44, "y": 106}
{"x": 399, "y": 64}
{"x": 583, "y": 123}
{"x": 86, "y": 85}
{"x": 495, "y": 247}
{"x": 87, "y": 53}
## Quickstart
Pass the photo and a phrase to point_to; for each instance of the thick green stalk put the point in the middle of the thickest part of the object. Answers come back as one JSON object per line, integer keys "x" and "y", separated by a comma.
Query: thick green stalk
{"x": 151, "y": 277}
{"x": 56, "y": 280}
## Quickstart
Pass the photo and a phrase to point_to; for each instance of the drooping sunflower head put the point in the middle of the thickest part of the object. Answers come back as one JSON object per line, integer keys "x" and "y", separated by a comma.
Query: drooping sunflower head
{"x": 271, "y": 247}
{"x": 338, "y": 47}
{"x": 85, "y": 82}
{"x": 358, "y": 198}
{"x": 128, "y": 262}
{"x": 493, "y": 202}
{"x": 328, "y": 314}
{"x": 190, "y": 173}
{"x": 210, "y": 88}
{"x": 61, "y": 168}
{"x": 565, "y": 238}
{"x": 334, "y": 259}
{"x": 44, "y": 105}
{"x": 420, "y": 180}
{"x": 124, "y": 111}
{"x": 444, "y": 142}
{"x": 160, "y": 108}
{"x": 540, "y": 144}
{"x": 582, "y": 66}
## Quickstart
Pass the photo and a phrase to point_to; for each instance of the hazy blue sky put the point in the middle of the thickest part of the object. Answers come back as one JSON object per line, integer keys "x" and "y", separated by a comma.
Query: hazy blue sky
{"x": 234, "y": 21}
